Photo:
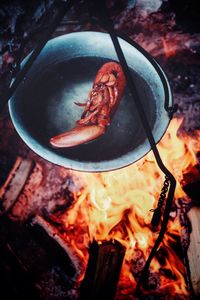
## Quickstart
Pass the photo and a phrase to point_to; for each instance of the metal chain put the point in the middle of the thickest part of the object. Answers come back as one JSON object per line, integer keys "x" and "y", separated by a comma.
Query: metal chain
{"x": 158, "y": 210}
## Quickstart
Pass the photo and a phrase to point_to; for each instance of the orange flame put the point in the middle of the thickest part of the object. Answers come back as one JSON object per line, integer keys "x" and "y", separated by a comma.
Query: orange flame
{"x": 116, "y": 205}
{"x": 170, "y": 48}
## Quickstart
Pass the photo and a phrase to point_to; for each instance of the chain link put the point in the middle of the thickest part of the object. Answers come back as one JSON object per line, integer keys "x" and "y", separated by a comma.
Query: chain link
{"x": 163, "y": 192}
{"x": 158, "y": 210}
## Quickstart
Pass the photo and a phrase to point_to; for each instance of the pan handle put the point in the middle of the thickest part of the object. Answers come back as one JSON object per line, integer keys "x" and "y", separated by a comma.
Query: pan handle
{"x": 103, "y": 15}
{"x": 62, "y": 8}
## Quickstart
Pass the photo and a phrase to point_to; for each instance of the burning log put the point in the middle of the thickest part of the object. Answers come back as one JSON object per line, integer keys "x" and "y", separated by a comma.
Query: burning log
{"x": 194, "y": 249}
{"x": 103, "y": 271}
{"x": 15, "y": 182}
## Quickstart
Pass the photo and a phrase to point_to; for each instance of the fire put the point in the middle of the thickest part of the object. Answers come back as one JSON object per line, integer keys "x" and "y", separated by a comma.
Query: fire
{"x": 116, "y": 205}
{"x": 170, "y": 48}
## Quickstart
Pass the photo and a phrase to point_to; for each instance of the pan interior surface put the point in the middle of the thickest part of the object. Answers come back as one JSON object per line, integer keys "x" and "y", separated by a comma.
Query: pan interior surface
{"x": 43, "y": 106}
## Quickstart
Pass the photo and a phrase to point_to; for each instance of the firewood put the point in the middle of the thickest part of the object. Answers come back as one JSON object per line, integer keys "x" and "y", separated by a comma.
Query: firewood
{"x": 37, "y": 260}
{"x": 191, "y": 182}
{"x": 183, "y": 207}
{"x": 103, "y": 270}
{"x": 26, "y": 203}
{"x": 15, "y": 182}
{"x": 40, "y": 223}
{"x": 194, "y": 249}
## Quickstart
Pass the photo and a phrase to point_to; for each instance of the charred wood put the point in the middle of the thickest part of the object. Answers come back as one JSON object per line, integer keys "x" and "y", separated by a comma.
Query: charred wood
{"x": 193, "y": 191}
{"x": 6, "y": 161}
{"x": 103, "y": 271}
{"x": 62, "y": 251}
{"x": 191, "y": 183}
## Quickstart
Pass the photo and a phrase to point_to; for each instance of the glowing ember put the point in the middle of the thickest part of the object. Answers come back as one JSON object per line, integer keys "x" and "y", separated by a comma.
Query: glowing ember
{"x": 116, "y": 205}
{"x": 170, "y": 49}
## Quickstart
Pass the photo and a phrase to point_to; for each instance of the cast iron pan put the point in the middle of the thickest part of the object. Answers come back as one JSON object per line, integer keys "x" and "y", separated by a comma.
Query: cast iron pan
{"x": 43, "y": 105}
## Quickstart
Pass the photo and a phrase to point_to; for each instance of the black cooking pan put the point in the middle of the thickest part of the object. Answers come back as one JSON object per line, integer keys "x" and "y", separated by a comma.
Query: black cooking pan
{"x": 43, "y": 105}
